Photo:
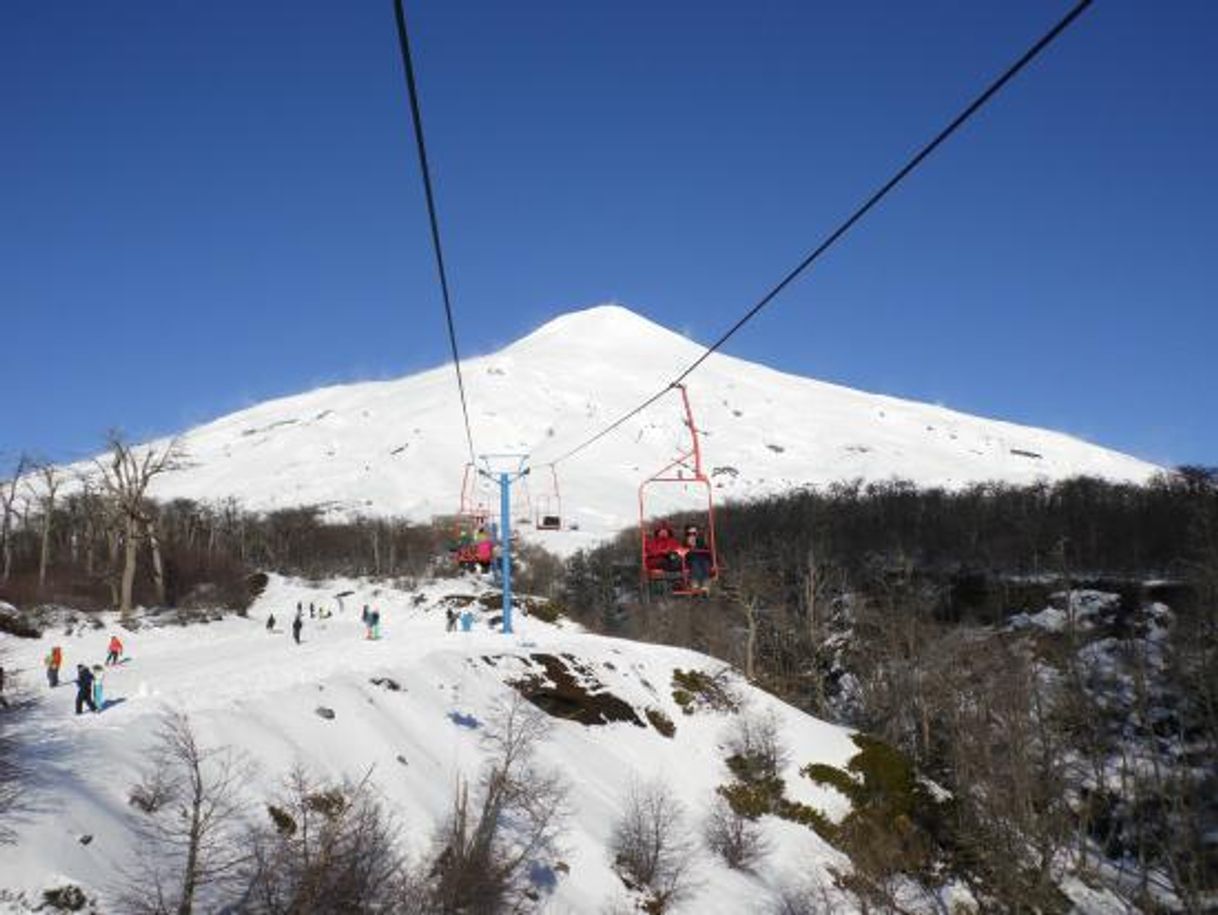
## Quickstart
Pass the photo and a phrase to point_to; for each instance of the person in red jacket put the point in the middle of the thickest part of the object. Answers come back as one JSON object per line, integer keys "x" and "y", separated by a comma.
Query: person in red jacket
{"x": 663, "y": 549}
{"x": 115, "y": 651}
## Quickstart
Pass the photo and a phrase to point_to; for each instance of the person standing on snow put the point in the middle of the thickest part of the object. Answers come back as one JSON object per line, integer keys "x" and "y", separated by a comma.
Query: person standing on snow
{"x": 54, "y": 661}
{"x": 115, "y": 650}
{"x": 84, "y": 688}
{"x": 99, "y": 693}
{"x": 297, "y": 625}
{"x": 270, "y": 622}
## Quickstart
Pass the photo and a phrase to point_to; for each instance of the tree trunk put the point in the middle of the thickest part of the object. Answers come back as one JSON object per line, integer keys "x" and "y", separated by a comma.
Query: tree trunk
{"x": 191, "y": 871}
{"x": 129, "y": 549}
{"x": 158, "y": 567}
{"x": 44, "y": 557}
{"x": 810, "y": 599}
{"x": 750, "y": 649}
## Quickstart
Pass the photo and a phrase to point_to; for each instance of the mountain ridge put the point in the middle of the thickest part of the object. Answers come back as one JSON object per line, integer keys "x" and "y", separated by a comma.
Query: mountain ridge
{"x": 397, "y": 447}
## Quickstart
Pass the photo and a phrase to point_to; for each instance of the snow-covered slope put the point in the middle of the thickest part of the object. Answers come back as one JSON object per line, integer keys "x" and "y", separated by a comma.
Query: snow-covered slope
{"x": 398, "y": 447}
{"x": 257, "y": 692}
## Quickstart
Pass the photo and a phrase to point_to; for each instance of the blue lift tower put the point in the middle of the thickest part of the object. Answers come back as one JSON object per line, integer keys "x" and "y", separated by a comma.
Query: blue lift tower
{"x": 505, "y": 469}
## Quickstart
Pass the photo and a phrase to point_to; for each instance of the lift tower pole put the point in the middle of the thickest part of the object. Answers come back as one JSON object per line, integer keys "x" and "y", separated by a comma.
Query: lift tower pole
{"x": 505, "y": 479}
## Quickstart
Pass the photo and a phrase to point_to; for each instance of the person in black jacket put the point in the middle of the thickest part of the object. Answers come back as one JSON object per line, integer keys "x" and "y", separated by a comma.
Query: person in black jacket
{"x": 297, "y": 625}
{"x": 84, "y": 688}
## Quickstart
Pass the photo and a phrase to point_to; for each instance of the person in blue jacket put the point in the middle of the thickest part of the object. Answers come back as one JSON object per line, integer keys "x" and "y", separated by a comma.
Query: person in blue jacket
{"x": 84, "y": 689}
{"x": 99, "y": 692}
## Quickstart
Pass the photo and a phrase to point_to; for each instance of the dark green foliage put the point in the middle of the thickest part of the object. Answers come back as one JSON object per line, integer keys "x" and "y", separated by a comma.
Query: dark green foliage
{"x": 285, "y": 825}
{"x": 329, "y": 803}
{"x": 753, "y": 799}
{"x": 805, "y": 816}
{"x": 661, "y": 722}
{"x": 693, "y": 689}
{"x": 547, "y": 611}
{"x": 895, "y": 824}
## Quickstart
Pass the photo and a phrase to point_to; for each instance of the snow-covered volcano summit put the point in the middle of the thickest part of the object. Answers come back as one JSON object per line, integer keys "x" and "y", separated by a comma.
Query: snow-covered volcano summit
{"x": 398, "y": 447}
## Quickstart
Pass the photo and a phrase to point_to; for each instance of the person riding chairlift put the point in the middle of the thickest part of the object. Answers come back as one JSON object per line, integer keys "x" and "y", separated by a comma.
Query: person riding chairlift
{"x": 484, "y": 550}
{"x": 697, "y": 557}
{"x": 663, "y": 549}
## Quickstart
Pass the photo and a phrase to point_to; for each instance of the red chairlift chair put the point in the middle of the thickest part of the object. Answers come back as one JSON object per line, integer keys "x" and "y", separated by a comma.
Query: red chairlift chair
{"x": 549, "y": 506}
{"x": 472, "y": 515}
{"x": 675, "y": 566}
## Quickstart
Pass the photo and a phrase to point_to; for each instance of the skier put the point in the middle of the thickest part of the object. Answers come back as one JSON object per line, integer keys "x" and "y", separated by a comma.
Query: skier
{"x": 374, "y": 625}
{"x": 270, "y": 622}
{"x": 297, "y": 625}
{"x": 3, "y": 701}
{"x": 312, "y": 611}
{"x": 53, "y": 662}
{"x": 84, "y": 688}
{"x": 451, "y": 616}
{"x": 115, "y": 650}
{"x": 99, "y": 695}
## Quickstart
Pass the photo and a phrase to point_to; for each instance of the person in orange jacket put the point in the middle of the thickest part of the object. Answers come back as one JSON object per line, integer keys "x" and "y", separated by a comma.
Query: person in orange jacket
{"x": 54, "y": 661}
{"x": 115, "y": 650}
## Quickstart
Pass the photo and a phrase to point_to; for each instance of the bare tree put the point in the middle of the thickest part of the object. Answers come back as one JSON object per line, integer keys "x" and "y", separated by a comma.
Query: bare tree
{"x": 650, "y": 843}
{"x": 756, "y": 742}
{"x": 8, "y": 497}
{"x": 190, "y": 837}
{"x": 328, "y": 848}
{"x": 734, "y": 837}
{"x": 484, "y": 848}
{"x": 51, "y": 481}
{"x": 126, "y": 475}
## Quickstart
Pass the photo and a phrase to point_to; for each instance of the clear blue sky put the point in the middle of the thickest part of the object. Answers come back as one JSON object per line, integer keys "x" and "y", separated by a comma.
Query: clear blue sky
{"x": 203, "y": 205}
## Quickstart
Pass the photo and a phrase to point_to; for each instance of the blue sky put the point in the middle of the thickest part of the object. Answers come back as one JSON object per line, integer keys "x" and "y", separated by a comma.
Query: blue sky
{"x": 203, "y": 205}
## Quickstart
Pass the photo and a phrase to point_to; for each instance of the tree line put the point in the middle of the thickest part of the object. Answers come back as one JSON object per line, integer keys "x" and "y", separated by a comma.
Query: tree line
{"x": 1093, "y": 741}
{"x": 96, "y": 540}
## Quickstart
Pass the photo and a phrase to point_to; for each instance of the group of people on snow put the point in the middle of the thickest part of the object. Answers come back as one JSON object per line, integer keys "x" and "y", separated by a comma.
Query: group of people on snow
{"x": 90, "y": 681}
{"x": 370, "y": 618}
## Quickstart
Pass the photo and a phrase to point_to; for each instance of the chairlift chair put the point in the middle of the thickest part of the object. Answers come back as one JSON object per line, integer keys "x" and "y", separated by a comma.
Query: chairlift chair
{"x": 473, "y": 515}
{"x": 549, "y": 506}
{"x": 675, "y": 570}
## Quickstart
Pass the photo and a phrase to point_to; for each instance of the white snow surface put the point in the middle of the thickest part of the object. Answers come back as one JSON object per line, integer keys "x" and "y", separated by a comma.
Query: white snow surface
{"x": 257, "y": 692}
{"x": 399, "y": 447}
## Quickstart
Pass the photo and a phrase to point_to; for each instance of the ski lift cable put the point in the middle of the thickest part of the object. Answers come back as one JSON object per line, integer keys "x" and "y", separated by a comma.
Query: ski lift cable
{"x": 417, "y": 117}
{"x": 973, "y": 107}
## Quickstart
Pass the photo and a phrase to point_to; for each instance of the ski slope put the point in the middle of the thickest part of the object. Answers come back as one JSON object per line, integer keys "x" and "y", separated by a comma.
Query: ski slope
{"x": 398, "y": 447}
{"x": 258, "y": 692}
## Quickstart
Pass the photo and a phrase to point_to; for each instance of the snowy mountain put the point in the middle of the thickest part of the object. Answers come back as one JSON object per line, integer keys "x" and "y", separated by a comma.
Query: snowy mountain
{"x": 412, "y": 708}
{"x": 398, "y": 447}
